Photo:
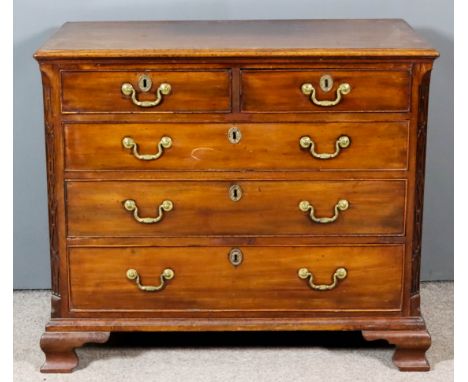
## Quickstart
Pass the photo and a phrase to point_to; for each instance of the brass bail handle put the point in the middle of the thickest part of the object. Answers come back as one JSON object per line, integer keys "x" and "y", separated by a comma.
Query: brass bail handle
{"x": 131, "y": 206}
{"x": 163, "y": 89}
{"x": 307, "y": 142}
{"x": 309, "y": 90}
{"x": 167, "y": 274}
{"x": 164, "y": 143}
{"x": 340, "y": 274}
{"x": 305, "y": 206}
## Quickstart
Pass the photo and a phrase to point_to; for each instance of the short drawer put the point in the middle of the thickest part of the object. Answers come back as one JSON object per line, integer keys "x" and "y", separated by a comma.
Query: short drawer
{"x": 200, "y": 208}
{"x": 170, "y": 91}
{"x": 282, "y": 91}
{"x": 339, "y": 278}
{"x": 325, "y": 146}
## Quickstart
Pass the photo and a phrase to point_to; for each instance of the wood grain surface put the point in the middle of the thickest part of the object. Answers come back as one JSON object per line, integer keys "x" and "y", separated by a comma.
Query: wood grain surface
{"x": 195, "y": 91}
{"x": 248, "y": 75}
{"x": 267, "y": 38}
{"x": 266, "y": 208}
{"x": 278, "y": 91}
{"x": 266, "y": 279}
{"x": 374, "y": 146}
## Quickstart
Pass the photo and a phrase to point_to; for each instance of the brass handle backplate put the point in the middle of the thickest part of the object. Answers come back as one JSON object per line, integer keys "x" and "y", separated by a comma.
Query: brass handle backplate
{"x": 307, "y": 142}
{"x": 164, "y": 143}
{"x": 167, "y": 274}
{"x": 129, "y": 90}
{"x": 309, "y": 90}
{"x": 131, "y": 206}
{"x": 305, "y": 206}
{"x": 340, "y": 274}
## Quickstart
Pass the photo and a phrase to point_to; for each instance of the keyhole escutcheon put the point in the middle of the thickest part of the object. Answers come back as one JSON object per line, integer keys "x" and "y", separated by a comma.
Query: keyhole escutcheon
{"x": 234, "y": 135}
{"x": 145, "y": 83}
{"x": 235, "y": 193}
{"x": 236, "y": 256}
{"x": 326, "y": 83}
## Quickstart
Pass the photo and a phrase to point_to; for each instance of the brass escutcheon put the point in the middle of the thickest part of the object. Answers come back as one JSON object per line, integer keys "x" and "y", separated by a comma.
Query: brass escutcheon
{"x": 235, "y": 193}
{"x": 145, "y": 83}
{"x": 326, "y": 82}
{"x": 236, "y": 256}
{"x": 234, "y": 135}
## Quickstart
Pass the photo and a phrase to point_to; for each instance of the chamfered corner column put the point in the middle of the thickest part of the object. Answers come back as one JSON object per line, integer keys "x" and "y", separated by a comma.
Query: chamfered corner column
{"x": 411, "y": 347}
{"x": 59, "y": 349}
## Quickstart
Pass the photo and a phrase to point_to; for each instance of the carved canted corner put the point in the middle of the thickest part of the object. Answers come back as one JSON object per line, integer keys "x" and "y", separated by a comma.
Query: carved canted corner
{"x": 421, "y": 132}
{"x": 51, "y": 188}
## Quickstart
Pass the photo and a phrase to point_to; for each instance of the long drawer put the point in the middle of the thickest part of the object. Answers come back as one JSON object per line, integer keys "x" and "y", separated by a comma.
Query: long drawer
{"x": 268, "y": 278}
{"x": 293, "y": 146}
{"x": 198, "y": 208}
{"x": 345, "y": 90}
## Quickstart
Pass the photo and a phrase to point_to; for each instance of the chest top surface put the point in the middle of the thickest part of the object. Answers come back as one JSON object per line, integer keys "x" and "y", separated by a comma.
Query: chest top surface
{"x": 248, "y": 38}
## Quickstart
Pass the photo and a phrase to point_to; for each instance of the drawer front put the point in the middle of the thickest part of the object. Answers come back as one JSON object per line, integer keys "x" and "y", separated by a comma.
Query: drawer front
{"x": 369, "y": 146}
{"x": 101, "y": 92}
{"x": 375, "y": 207}
{"x": 282, "y": 91}
{"x": 267, "y": 278}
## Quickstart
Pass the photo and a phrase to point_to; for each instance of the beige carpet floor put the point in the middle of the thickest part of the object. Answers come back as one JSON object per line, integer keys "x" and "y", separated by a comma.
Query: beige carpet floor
{"x": 324, "y": 357}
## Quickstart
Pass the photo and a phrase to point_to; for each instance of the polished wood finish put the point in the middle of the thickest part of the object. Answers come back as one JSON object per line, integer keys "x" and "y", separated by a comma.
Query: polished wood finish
{"x": 266, "y": 208}
{"x": 247, "y": 38}
{"x": 265, "y": 280}
{"x": 59, "y": 349}
{"x": 374, "y": 146}
{"x": 100, "y": 91}
{"x": 411, "y": 347}
{"x": 310, "y": 321}
{"x": 277, "y": 91}
{"x": 245, "y": 75}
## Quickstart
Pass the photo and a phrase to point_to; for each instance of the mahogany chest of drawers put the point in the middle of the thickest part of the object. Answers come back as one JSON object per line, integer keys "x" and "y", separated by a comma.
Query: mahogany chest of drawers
{"x": 235, "y": 176}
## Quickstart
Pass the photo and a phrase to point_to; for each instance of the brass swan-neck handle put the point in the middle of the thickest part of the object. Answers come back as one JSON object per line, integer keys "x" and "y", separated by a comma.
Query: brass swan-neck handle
{"x": 340, "y": 274}
{"x": 305, "y": 206}
{"x": 167, "y": 274}
{"x": 131, "y": 206}
{"x": 129, "y": 90}
{"x": 164, "y": 143}
{"x": 307, "y": 142}
{"x": 309, "y": 90}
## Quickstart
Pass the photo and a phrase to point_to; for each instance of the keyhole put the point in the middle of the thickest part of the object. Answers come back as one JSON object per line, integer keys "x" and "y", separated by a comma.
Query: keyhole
{"x": 145, "y": 83}
{"x": 235, "y": 193}
{"x": 326, "y": 82}
{"x": 234, "y": 135}
{"x": 236, "y": 256}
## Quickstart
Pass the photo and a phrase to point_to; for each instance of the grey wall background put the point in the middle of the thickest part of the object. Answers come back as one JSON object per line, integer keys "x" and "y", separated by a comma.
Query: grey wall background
{"x": 35, "y": 21}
